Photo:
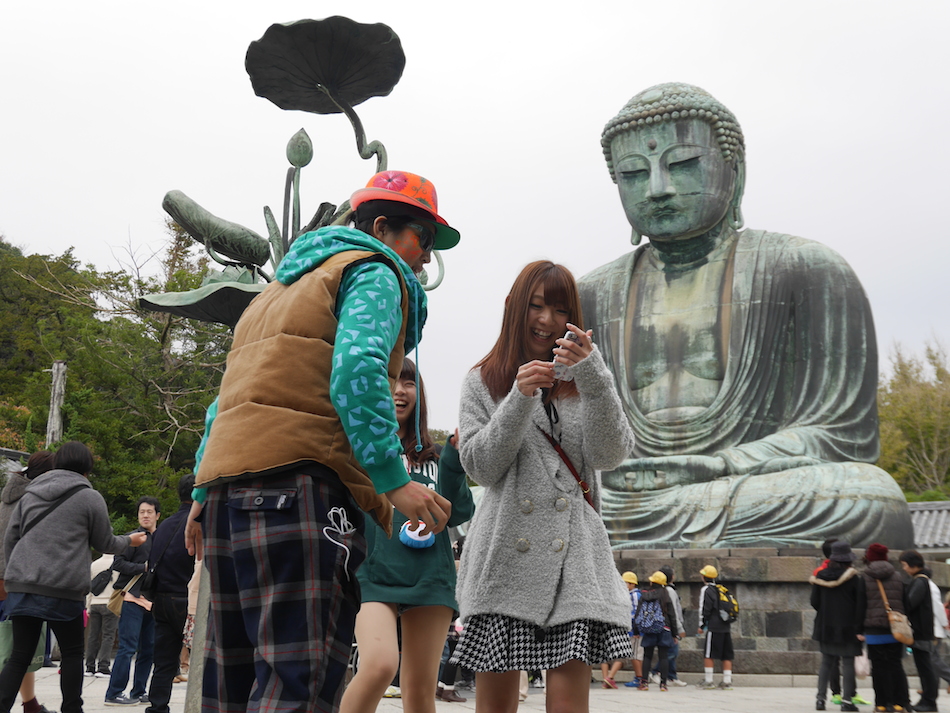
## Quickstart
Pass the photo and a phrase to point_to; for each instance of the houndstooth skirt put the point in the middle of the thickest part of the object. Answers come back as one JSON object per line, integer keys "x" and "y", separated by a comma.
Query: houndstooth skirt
{"x": 496, "y": 643}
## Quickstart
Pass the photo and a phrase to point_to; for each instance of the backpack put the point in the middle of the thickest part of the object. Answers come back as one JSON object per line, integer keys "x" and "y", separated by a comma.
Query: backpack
{"x": 728, "y": 605}
{"x": 648, "y": 619}
{"x": 98, "y": 583}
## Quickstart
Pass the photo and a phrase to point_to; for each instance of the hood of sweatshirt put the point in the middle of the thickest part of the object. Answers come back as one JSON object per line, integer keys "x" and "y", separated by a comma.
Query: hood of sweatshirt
{"x": 14, "y": 489}
{"x": 880, "y": 569}
{"x": 312, "y": 249}
{"x": 54, "y": 483}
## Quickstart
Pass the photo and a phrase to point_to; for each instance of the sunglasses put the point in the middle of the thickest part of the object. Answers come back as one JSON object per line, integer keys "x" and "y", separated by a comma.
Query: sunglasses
{"x": 426, "y": 236}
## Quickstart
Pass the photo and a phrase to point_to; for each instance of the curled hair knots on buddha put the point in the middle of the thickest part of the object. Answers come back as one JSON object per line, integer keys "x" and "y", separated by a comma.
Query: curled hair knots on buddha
{"x": 669, "y": 102}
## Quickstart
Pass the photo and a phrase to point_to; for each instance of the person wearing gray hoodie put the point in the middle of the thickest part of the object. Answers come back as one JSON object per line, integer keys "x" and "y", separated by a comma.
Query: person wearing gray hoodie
{"x": 47, "y": 568}
{"x": 39, "y": 463}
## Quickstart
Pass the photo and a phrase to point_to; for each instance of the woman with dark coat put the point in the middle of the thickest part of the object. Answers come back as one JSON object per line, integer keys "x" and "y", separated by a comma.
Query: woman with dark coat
{"x": 656, "y": 590}
{"x": 884, "y": 651}
{"x": 834, "y": 596}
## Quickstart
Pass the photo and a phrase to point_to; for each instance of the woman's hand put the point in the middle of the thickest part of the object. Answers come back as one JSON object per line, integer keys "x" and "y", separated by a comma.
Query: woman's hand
{"x": 535, "y": 375}
{"x": 570, "y": 352}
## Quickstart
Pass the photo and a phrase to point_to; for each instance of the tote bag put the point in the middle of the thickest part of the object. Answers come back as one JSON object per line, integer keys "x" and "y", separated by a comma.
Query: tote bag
{"x": 6, "y": 645}
{"x": 118, "y": 596}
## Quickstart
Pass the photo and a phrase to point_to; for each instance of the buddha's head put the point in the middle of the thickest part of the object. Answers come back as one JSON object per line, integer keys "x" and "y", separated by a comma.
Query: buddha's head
{"x": 678, "y": 158}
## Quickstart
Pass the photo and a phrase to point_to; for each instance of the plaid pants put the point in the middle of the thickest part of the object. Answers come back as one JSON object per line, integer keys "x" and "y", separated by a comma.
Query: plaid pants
{"x": 282, "y": 552}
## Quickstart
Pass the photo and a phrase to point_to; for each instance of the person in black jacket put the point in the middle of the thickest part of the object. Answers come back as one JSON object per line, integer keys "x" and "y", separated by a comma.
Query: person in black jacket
{"x": 921, "y": 614}
{"x": 718, "y": 644}
{"x": 136, "y": 626}
{"x": 656, "y": 591}
{"x": 173, "y": 568}
{"x": 834, "y": 596}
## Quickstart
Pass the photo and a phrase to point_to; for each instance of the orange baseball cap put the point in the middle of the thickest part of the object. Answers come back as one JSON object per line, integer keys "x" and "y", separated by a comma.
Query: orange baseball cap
{"x": 413, "y": 190}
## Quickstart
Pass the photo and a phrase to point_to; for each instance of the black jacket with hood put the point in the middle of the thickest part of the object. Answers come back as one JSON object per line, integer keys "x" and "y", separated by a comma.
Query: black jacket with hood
{"x": 871, "y": 611}
{"x": 834, "y": 596}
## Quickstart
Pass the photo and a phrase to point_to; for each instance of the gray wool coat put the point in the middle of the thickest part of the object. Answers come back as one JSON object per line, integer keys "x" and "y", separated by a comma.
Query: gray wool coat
{"x": 535, "y": 550}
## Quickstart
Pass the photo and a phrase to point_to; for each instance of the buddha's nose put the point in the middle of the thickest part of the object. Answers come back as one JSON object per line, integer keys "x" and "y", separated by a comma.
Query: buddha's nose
{"x": 660, "y": 184}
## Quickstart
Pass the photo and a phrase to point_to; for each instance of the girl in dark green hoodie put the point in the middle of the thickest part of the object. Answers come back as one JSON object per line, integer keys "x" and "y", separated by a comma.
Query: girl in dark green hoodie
{"x": 403, "y": 581}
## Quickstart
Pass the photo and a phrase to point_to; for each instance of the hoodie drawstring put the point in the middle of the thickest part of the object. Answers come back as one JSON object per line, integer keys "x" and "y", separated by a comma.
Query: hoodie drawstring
{"x": 417, "y": 410}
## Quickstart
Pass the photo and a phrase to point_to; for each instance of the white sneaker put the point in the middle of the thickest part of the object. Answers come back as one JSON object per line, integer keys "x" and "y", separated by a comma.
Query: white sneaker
{"x": 677, "y": 682}
{"x": 654, "y": 678}
{"x": 392, "y": 692}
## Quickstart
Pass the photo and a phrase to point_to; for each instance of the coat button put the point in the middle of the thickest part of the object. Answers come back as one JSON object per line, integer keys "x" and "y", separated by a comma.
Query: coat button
{"x": 557, "y": 545}
{"x": 259, "y": 500}
{"x": 526, "y": 506}
{"x": 560, "y": 504}
{"x": 522, "y": 545}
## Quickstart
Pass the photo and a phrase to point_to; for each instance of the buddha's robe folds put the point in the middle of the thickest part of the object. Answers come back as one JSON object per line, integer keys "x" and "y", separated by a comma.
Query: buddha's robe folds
{"x": 795, "y": 418}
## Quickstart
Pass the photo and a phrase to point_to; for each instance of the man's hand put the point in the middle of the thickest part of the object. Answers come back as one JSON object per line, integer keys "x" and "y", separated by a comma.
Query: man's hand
{"x": 417, "y": 502}
{"x": 137, "y": 539}
{"x": 193, "y": 532}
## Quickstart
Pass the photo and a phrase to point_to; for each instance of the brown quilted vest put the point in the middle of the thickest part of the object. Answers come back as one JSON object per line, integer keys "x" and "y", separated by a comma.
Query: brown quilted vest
{"x": 274, "y": 406}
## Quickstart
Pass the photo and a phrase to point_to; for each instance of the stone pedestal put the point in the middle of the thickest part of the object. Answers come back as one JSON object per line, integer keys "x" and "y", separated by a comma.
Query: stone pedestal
{"x": 773, "y": 632}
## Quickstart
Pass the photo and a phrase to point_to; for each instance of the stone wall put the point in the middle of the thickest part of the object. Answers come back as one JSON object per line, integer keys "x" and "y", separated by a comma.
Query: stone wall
{"x": 773, "y": 632}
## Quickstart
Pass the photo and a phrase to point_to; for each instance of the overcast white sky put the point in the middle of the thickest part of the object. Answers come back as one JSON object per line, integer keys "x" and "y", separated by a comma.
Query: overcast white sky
{"x": 107, "y": 105}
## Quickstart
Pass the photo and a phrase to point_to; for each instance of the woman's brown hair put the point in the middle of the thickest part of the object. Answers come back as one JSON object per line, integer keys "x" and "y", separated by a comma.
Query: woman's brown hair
{"x": 409, "y": 441}
{"x": 500, "y": 365}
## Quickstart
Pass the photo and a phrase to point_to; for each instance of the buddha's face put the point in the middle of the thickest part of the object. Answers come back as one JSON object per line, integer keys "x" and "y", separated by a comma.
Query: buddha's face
{"x": 674, "y": 182}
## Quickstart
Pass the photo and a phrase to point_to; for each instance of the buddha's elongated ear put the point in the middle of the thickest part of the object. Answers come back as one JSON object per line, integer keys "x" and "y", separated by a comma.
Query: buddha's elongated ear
{"x": 735, "y": 205}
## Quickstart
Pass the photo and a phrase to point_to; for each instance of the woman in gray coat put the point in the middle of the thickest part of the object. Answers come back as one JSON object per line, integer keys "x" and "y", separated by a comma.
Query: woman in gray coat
{"x": 537, "y": 587}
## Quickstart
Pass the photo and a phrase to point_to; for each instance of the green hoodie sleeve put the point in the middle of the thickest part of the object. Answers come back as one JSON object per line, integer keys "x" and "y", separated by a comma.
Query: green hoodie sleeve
{"x": 369, "y": 316}
{"x": 199, "y": 494}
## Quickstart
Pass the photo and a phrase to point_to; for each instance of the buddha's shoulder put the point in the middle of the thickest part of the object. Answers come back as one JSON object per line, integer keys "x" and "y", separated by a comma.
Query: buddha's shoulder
{"x": 792, "y": 251}
{"x": 618, "y": 266}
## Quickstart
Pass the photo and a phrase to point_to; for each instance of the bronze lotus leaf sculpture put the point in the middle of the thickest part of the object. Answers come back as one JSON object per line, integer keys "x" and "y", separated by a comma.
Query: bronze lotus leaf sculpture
{"x": 319, "y": 65}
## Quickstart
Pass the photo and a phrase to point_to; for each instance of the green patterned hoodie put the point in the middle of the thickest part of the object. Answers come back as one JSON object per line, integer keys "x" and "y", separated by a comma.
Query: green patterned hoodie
{"x": 369, "y": 317}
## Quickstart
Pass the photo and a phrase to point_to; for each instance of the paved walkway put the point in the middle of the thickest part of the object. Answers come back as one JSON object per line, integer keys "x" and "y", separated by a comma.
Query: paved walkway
{"x": 792, "y": 694}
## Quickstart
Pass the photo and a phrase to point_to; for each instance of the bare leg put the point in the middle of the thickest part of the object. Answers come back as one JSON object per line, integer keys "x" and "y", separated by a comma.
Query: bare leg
{"x": 28, "y": 688}
{"x": 423, "y": 635}
{"x": 568, "y": 688}
{"x": 379, "y": 658}
{"x": 497, "y": 692}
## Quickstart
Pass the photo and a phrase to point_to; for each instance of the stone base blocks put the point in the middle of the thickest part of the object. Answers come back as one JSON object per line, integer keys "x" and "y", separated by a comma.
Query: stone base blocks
{"x": 773, "y": 633}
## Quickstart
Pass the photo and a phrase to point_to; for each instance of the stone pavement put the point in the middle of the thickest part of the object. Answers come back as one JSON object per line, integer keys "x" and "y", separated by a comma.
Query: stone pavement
{"x": 751, "y": 694}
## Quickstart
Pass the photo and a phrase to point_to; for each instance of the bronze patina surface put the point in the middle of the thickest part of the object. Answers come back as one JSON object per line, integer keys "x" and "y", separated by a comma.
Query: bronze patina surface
{"x": 746, "y": 360}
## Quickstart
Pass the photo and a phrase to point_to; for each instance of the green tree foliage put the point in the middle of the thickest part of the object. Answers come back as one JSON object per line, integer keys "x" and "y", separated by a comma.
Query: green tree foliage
{"x": 914, "y": 412}
{"x": 137, "y": 382}
{"x": 438, "y": 435}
